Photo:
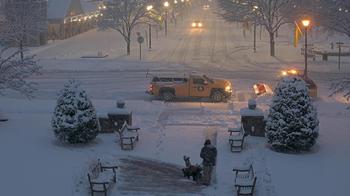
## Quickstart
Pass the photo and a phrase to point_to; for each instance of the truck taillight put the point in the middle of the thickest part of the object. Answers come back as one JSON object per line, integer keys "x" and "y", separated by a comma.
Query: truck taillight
{"x": 150, "y": 88}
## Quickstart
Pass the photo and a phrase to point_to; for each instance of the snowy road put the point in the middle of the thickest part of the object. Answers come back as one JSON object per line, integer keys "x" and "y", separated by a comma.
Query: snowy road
{"x": 218, "y": 49}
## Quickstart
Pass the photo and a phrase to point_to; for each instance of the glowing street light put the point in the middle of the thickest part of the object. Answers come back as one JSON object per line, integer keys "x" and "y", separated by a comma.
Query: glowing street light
{"x": 149, "y": 8}
{"x": 305, "y": 23}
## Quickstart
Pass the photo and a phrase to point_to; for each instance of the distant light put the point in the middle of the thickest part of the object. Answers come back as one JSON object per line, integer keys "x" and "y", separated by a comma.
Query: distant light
{"x": 284, "y": 73}
{"x": 175, "y": 1}
{"x": 293, "y": 71}
{"x": 149, "y": 7}
{"x": 166, "y": 4}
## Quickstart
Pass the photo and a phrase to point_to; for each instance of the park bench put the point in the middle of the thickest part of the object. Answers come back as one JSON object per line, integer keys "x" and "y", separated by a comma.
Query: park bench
{"x": 101, "y": 178}
{"x": 245, "y": 180}
{"x": 236, "y": 138}
{"x": 128, "y": 136}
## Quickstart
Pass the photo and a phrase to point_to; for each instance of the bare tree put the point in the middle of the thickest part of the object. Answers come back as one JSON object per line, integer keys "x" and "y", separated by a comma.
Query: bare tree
{"x": 123, "y": 16}
{"x": 14, "y": 72}
{"x": 334, "y": 15}
{"x": 22, "y": 23}
{"x": 272, "y": 14}
{"x": 341, "y": 86}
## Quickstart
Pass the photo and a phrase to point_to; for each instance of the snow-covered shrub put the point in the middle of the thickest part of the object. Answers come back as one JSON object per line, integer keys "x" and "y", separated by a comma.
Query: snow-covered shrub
{"x": 292, "y": 123}
{"x": 74, "y": 119}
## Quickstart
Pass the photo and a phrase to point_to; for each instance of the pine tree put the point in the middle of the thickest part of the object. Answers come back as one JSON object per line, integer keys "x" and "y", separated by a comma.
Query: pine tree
{"x": 74, "y": 119}
{"x": 292, "y": 123}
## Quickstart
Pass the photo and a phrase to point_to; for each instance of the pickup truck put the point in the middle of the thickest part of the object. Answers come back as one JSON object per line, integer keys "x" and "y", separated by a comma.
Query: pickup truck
{"x": 196, "y": 86}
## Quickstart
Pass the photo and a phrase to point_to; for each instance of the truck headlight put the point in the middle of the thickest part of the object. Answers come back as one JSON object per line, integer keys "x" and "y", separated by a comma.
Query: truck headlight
{"x": 228, "y": 89}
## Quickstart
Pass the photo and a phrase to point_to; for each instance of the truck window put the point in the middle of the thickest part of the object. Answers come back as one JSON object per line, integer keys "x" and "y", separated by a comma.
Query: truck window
{"x": 200, "y": 81}
{"x": 180, "y": 80}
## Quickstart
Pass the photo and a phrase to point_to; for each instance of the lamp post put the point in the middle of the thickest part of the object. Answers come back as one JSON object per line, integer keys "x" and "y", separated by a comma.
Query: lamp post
{"x": 306, "y": 23}
{"x": 149, "y": 8}
{"x": 174, "y": 11}
{"x": 166, "y": 5}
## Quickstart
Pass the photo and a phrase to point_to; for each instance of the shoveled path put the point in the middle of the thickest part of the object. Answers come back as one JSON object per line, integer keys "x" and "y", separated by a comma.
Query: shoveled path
{"x": 149, "y": 177}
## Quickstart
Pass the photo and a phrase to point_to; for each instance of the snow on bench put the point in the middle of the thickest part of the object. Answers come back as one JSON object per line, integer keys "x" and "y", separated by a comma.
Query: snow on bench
{"x": 236, "y": 138}
{"x": 245, "y": 180}
{"x": 101, "y": 178}
{"x": 128, "y": 136}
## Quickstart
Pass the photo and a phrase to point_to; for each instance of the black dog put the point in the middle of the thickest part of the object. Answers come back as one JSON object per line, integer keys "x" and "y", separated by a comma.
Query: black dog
{"x": 192, "y": 170}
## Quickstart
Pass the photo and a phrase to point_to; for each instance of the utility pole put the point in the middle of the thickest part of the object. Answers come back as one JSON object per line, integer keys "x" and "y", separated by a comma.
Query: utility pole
{"x": 339, "y": 53}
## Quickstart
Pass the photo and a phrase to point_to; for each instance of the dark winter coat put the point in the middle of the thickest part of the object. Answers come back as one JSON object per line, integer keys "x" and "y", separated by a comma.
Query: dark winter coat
{"x": 208, "y": 154}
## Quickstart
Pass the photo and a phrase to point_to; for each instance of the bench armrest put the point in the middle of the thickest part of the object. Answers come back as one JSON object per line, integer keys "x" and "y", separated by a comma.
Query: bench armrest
{"x": 127, "y": 138}
{"x": 103, "y": 183}
{"x": 132, "y": 128}
{"x": 113, "y": 168}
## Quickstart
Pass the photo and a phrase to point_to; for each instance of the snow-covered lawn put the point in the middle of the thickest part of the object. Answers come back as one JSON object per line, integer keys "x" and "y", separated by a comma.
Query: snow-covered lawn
{"x": 34, "y": 163}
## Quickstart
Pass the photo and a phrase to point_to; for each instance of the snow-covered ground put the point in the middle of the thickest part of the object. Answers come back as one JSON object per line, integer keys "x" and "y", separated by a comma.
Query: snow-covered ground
{"x": 34, "y": 163}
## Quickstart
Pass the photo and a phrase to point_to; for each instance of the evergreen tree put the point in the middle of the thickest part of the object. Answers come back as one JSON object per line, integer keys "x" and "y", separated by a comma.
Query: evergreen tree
{"x": 292, "y": 123}
{"x": 74, "y": 119}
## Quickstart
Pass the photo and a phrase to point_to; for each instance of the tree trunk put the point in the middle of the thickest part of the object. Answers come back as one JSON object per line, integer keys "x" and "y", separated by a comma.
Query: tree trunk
{"x": 128, "y": 47}
{"x": 272, "y": 44}
{"x": 128, "y": 44}
{"x": 21, "y": 49}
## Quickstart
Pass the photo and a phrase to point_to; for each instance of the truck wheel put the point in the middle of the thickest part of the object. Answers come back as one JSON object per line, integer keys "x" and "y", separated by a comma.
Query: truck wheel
{"x": 168, "y": 96}
{"x": 216, "y": 96}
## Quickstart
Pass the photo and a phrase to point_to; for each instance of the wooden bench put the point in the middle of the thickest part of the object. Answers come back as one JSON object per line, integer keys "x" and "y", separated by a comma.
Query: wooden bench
{"x": 245, "y": 180}
{"x": 101, "y": 178}
{"x": 128, "y": 136}
{"x": 236, "y": 138}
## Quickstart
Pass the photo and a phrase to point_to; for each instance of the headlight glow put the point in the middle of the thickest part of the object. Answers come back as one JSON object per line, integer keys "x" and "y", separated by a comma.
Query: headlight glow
{"x": 228, "y": 89}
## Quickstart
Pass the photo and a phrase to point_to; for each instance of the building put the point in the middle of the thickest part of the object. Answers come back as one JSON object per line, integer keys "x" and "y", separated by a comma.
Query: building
{"x": 67, "y": 18}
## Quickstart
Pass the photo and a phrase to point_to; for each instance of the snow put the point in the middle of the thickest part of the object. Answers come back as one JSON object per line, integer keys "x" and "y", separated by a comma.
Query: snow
{"x": 35, "y": 163}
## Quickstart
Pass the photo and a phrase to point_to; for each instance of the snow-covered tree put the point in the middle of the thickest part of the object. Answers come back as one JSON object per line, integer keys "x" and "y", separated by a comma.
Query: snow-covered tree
{"x": 14, "y": 72}
{"x": 123, "y": 16}
{"x": 22, "y": 23}
{"x": 74, "y": 119}
{"x": 272, "y": 14}
{"x": 292, "y": 123}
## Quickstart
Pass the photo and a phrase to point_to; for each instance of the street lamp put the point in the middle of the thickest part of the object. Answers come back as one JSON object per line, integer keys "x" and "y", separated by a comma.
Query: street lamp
{"x": 166, "y": 5}
{"x": 149, "y": 8}
{"x": 305, "y": 23}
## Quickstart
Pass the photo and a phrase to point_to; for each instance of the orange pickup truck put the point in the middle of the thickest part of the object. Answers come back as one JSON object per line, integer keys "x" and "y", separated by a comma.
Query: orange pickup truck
{"x": 196, "y": 86}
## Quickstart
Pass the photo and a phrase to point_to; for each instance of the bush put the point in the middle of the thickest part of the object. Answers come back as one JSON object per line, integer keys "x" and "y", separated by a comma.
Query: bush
{"x": 292, "y": 123}
{"x": 74, "y": 119}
